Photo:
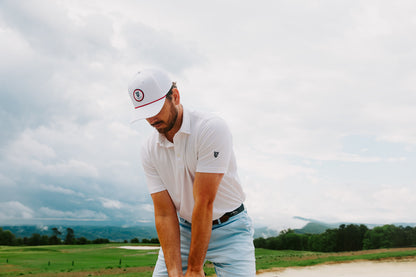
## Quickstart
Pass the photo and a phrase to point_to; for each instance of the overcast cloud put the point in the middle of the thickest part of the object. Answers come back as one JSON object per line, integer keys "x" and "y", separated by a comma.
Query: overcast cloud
{"x": 320, "y": 97}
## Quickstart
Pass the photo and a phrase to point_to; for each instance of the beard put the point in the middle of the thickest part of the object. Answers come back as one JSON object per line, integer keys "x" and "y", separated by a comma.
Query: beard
{"x": 173, "y": 116}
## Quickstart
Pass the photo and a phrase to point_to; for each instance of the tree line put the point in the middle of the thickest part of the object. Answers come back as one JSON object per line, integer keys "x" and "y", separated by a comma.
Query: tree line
{"x": 345, "y": 238}
{"x": 8, "y": 238}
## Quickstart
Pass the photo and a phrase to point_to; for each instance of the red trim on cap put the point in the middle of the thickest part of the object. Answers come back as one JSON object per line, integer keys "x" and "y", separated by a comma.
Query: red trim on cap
{"x": 150, "y": 102}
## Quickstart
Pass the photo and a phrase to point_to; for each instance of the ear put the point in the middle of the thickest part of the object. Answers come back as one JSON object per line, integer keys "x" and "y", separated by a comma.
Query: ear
{"x": 175, "y": 96}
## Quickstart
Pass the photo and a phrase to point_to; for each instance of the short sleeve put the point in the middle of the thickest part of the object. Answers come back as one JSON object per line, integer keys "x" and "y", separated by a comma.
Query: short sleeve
{"x": 153, "y": 180}
{"x": 214, "y": 146}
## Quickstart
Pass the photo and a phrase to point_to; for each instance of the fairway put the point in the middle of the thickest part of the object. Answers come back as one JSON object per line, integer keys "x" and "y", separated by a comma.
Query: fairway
{"x": 76, "y": 260}
{"x": 111, "y": 260}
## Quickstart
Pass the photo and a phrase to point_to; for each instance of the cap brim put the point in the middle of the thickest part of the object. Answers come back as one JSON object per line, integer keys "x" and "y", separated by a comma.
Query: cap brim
{"x": 147, "y": 111}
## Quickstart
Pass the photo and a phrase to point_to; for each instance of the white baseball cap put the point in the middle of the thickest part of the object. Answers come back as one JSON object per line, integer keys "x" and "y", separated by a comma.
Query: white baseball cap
{"x": 147, "y": 91}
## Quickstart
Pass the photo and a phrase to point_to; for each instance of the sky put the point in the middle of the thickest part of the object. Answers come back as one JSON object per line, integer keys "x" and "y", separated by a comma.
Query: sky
{"x": 319, "y": 96}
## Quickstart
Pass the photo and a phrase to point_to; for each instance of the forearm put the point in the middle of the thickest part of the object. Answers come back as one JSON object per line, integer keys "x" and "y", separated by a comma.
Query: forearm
{"x": 201, "y": 234}
{"x": 169, "y": 236}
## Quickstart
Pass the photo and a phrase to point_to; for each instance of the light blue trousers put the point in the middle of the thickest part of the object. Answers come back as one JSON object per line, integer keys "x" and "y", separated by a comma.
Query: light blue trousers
{"x": 230, "y": 249}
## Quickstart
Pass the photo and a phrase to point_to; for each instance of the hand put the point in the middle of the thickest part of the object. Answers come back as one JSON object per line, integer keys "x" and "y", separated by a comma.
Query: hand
{"x": 195, "y": 274}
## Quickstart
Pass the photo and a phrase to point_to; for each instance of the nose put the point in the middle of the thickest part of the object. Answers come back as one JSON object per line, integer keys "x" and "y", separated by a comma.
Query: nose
{"x": 151, "y": 120}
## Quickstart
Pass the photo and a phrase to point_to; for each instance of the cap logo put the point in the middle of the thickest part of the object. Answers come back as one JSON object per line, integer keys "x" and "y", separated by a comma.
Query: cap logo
{"x": 138, "y": 95}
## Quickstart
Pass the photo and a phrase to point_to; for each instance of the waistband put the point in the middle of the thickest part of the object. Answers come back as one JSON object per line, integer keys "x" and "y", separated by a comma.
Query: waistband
{"x": 228, "y": 215}
{"x": 224, "y": 218}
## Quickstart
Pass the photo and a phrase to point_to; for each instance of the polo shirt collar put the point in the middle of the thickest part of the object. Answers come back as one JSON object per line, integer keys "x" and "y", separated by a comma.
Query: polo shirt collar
{"x": 185, "y": 129}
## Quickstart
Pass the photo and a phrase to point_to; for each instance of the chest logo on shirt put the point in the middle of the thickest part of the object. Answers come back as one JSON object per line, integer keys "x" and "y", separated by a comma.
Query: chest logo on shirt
{"x": 216, "y": 154}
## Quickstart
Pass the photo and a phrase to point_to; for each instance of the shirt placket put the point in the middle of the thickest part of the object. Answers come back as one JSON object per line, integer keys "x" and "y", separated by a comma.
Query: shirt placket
{"x": 179, "y": 154}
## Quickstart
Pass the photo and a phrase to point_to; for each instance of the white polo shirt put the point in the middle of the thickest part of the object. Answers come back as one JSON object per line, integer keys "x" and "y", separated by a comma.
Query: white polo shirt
{"x": 203, "y": 144}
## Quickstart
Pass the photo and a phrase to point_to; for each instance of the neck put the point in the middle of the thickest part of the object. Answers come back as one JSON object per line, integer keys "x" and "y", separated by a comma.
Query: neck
{"x": 178, "y": 123}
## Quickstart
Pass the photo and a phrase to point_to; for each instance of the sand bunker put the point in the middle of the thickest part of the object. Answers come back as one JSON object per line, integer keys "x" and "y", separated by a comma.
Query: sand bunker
{"x": 356, "y": 269}
{"x": 140, "y": 247}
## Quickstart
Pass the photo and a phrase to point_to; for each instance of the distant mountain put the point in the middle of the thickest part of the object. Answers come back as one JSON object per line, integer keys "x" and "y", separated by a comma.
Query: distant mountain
{"x": 316, "y": 227}
{"x": 309, "y": 228}
{"x": 311, "y": 220}
{"x": 313, "y": 228}
{"x": 113, "y": 233}
{"x": 265, "y": 232}
{"x": 148, "y": 231}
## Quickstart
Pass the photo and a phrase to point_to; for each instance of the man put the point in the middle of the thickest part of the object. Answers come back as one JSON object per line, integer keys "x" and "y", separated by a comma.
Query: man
{"x": 191, "y": 173}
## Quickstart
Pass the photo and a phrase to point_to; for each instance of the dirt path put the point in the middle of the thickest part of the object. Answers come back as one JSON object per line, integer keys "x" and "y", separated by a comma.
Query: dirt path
{"x": 386, "y": 267}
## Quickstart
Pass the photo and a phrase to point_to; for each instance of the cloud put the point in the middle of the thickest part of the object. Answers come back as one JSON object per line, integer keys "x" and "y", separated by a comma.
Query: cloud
{"x": 320, "y": 113}
{"x": 27, "y": 153}
{"x": 78, "y": 215}
{"x": 6, "y": 181}
{"x": 61, "y": 190}
{"x": 110, "y": 204}
{"x": 13, "y": 210}
{"x": 158, "y": 48}
{"x": 57, "y": 34}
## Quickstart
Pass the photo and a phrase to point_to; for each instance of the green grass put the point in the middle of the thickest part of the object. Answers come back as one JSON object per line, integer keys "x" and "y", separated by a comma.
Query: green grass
{"x": 74, "y": 258}
{"x": 104, "y": 260}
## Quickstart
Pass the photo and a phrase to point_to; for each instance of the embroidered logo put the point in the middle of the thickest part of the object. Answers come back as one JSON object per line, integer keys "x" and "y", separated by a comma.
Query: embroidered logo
{"x": 216, "y": 154}
{"x": 138, "y": 95}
